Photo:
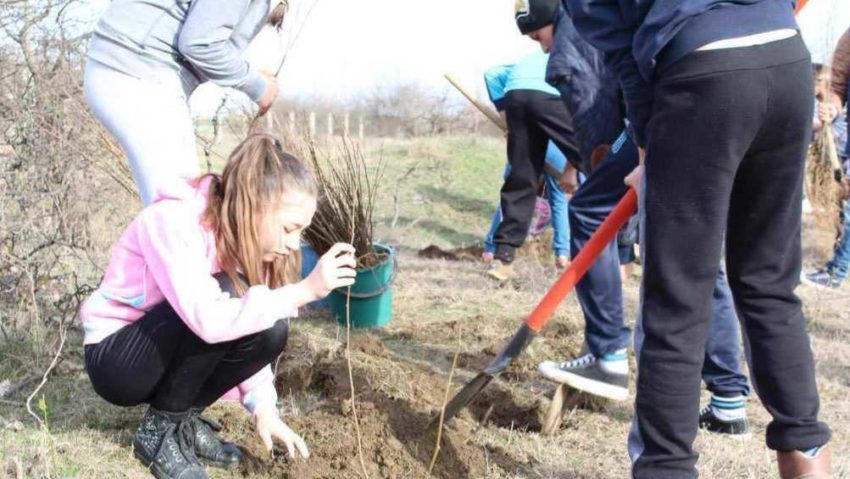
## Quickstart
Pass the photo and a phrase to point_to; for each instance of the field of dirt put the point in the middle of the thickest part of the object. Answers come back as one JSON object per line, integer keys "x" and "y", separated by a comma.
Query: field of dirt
{"x": 443, "y": 306}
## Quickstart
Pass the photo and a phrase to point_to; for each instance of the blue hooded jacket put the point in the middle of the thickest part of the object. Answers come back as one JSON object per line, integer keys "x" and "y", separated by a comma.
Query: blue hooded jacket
{"x": 526, "y": 74}
{"x": 589, "y": 89}
{"x": 638, "y": 36}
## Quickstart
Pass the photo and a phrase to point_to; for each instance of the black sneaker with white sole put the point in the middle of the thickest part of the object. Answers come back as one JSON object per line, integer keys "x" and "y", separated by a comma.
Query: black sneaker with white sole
{"x": 709, "y": 421}
{"x": 822, "y": 278}
{"x": 591, "y": 375}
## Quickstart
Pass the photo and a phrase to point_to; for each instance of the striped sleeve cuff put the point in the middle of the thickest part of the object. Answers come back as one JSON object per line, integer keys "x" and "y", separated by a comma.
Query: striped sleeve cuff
{"x": 264, "y": 395}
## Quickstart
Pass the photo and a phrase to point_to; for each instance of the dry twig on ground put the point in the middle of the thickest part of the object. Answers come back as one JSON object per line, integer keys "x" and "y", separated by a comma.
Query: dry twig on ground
{"x": 443, "y": 409}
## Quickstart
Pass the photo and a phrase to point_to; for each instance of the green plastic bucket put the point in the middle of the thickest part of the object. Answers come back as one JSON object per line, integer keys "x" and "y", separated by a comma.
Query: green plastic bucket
{"x": 371, "y": 294}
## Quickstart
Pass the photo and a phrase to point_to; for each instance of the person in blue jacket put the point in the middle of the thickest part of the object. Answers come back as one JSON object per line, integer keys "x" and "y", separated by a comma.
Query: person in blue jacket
{"x": 523, "y": 86}
{"x": 718, "y": 95}
{"x": 558, "y": 202}
{"x": 535, "y": 117}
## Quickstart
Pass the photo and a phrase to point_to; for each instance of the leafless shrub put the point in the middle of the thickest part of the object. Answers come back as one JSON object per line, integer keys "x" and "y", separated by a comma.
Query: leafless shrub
{"x": 64, "y": 184}
{"x": 347, "y": 201}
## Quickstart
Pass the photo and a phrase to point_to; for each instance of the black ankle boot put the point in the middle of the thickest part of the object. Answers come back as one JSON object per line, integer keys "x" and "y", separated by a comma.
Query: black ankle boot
{"x": 163, "y": 443}
{"x": 208, "y": 447}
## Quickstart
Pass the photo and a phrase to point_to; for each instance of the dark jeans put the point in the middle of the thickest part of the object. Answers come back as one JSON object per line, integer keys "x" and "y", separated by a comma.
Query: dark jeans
{"x": 721, "y": 369}
{"x": 726, "y": 148}
{"x": 600, "y": 292}
{"x": 626, "y": 240}
{"x": 839, "y": 265}
{"x": 159, "y": 360}
{"x": 534, "y": 118}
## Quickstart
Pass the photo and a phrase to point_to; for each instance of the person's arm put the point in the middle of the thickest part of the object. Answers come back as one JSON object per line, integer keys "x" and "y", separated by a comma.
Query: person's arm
{"x": 606, "y": 27}
{"x": 496, "y": 79}
{"x": 173, "y": 249}
{"x": 258, "y": 391}
{"x": 205, "y": 41}
{"x": 260, "y": 398}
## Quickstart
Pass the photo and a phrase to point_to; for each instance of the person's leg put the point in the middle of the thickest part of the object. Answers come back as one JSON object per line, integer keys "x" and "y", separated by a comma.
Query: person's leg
{"x": 559, "y": 204}
{"x": 125, "y": 369}
{"x": 159, "y": 360}
{"x": 604, "y": 371}
{"x": 489, "y": 242}
{"x": 687, "y": 183}
{"x": 199, "y": 373}
{"x": 721, "y": 370}
{"x": 600, "y": 291}
{"x": 764, "y": 259}
{"x": 247, "y": 357}
{"x": 840, "y": 263}
{"x": 526, "y": 153}
{"x": 152, "y": 123}
{"x": 489, "y": 239}
{"x": 557, "y": 123}
{"x": 626, "y": 239}
{"x": 690, "y": 173}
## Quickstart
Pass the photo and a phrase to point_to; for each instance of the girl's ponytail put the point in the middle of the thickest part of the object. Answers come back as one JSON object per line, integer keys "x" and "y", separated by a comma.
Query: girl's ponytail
{"x": 256, "y": 177}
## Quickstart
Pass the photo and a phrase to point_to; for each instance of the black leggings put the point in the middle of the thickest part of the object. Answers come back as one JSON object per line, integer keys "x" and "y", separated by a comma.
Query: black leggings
{"x": 160, "y": 361}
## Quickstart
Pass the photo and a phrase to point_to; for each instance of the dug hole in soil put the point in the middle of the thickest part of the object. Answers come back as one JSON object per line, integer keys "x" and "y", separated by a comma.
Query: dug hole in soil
{"x": 396, "y": 439}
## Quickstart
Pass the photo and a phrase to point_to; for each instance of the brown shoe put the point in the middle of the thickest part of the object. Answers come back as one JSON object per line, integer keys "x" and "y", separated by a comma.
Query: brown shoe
{"x": 500, "y": 271}
{"x": 796, "y": 465}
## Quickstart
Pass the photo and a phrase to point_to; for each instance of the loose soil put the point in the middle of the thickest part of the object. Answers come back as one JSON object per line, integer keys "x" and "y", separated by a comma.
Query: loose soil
{"x": 397, "y": 439}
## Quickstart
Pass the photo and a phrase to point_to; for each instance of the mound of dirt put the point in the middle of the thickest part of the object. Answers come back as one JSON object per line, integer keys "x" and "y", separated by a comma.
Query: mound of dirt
{"x": 396, "y": 404}
{"x": 368, "y": 344}
{"x": 468, "y": 253}
{"x": 538, "y": 248}
{"x": 396, "y": 438}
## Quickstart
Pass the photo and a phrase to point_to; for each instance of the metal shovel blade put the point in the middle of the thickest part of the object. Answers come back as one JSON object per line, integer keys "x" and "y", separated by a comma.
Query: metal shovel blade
{"x": 538, "y": 318}
{"x": 467, "y": 394}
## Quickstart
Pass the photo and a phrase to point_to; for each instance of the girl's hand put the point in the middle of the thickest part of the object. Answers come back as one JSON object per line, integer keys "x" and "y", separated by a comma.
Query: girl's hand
{"x": 335, "y": 269}
{"x": 270, "y": 427}
{"x": 270, "y": 95}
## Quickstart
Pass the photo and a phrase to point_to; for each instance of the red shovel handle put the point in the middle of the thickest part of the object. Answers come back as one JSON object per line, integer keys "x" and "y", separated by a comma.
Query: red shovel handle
{"x": 606, "y": 232}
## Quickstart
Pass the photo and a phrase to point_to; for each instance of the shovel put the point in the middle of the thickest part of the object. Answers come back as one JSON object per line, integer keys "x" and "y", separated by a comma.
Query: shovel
{"x": 532, "y": 326}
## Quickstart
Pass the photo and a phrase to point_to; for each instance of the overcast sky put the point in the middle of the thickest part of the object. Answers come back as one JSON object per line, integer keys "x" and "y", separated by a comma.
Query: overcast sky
{"x": 348, "y": 47}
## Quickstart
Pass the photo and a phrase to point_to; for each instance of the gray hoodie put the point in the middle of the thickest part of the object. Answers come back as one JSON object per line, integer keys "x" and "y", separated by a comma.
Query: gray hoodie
{"x": 182, "y": 42}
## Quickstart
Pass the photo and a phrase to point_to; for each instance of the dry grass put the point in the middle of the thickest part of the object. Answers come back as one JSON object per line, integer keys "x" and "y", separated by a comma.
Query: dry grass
{"x": 435, "y": 301}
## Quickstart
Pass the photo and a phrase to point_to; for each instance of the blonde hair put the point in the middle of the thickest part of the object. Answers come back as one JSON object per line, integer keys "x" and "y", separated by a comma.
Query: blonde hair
{"x": 257, "y": 175}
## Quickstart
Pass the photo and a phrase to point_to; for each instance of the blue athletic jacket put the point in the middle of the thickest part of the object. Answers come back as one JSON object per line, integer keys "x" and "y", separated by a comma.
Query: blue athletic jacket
{"x": 528, "y": 73}
{"x": 589, "y": 89}
{"x": 637, "y": 36}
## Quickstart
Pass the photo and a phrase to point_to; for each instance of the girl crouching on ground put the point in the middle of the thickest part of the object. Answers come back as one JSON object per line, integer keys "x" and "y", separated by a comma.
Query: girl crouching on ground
{"x": 194, "y": 304}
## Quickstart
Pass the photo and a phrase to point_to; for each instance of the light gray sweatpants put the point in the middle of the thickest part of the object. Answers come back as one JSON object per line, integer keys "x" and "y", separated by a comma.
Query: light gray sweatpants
{"x": 150, "y": 120}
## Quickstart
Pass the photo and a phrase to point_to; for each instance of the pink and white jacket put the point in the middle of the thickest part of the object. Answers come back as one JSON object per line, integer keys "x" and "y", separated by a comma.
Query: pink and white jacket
{"x": 167, "y": 254}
